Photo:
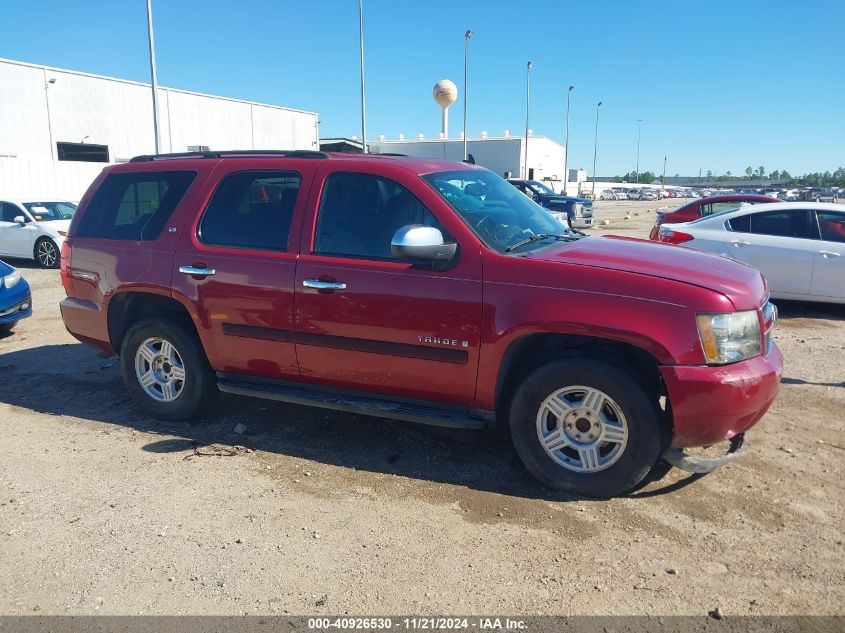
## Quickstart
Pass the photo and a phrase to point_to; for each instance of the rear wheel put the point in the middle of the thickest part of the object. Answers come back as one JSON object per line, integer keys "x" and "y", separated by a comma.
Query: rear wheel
{"x": 46, "y": 253}
{"x": 586, "y": 427}
{"x": 165, "y": 369}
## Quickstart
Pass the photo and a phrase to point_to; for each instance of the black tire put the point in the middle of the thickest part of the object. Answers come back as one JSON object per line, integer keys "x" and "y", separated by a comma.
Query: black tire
{"x": 6, "y": 328}
{"x": 646, "y": 438}
{"x": 46, "y": 253}
{"x": 199, "y": 388}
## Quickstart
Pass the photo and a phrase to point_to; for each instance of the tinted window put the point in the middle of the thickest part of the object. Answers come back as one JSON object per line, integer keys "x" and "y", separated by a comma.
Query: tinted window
{"x": 251, "y": 209}
{"x": 134, "y": 206}
{"x": 741, "y": 224}
{"x": 8, "y": 212}
{"x": 780, "y": 223}
{"x": 831, "y": 226}
{"x": 359, "y": 213}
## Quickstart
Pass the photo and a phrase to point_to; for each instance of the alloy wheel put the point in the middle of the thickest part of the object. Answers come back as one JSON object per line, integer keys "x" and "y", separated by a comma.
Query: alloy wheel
{"x": 159, "y": 369}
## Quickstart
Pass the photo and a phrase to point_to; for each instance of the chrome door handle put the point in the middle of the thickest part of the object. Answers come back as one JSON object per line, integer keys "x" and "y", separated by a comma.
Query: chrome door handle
{"x": 319, "y": 284}
{"x": 199, "y": 272}
{"x": 828, "y": 254}
{"x": 740, "y": 243}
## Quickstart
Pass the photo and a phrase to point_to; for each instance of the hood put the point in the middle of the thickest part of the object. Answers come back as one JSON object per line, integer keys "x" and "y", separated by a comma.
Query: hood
{"x": 5, "y": 269}
{"x": 742, "y": 284}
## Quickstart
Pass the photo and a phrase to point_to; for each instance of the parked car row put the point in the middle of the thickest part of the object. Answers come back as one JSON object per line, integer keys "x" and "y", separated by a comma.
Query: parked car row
{"x": 34, "y": 229}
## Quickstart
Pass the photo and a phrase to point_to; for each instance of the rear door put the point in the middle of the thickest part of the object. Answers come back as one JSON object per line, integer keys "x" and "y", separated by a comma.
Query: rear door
{"x": 779, "y": 244}
{"x": 829, "y": 268}
{"x": 237, "y": 266}
{"x": 389, "y": 326}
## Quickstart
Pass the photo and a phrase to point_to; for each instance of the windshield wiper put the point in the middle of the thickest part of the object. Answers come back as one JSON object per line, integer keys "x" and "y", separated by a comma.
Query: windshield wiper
{"x": 541, "y": 236}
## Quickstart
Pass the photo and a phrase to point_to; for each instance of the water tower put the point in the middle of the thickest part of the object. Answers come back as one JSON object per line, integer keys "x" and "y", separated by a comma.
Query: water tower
{"x": 445, "y": 94}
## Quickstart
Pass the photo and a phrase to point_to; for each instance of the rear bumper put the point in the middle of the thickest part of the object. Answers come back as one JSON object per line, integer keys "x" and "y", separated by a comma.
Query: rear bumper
{"x": 86, "y": 322}
{"x": 713, "y": 404}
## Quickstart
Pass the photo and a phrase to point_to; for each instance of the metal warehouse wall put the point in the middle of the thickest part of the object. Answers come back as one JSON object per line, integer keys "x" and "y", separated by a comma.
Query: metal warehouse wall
{"x": 500, "y": 154}
{"x": 36, "y": 114}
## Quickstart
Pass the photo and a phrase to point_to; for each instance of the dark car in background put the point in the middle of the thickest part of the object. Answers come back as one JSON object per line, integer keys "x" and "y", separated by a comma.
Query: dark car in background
{"x": 703, "y": 207}
{"x": 15, "y": 298}
{"x": 574, "y": 212}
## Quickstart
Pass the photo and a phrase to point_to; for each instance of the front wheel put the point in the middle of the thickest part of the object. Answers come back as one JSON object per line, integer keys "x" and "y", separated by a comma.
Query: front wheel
{"x": 46, "y": 253}
{"x": 586, "y": 427}
{"x": 165, "y": 370}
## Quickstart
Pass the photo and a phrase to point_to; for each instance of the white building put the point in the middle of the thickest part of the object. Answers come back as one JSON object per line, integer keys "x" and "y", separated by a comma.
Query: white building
{"x": 504, "y": 155}
{"x": 58, "y": 128}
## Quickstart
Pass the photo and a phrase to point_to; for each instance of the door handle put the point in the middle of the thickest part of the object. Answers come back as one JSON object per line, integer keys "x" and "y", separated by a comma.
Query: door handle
{"x": 828, "y": 254}
{"x": 740, "y": 243}
{"x": 197, "y": 271}
{"x": 319, "y": 284}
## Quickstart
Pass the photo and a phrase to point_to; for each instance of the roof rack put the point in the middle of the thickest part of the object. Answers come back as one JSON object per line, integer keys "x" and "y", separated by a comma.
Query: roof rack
{"x": 268, "y": 153}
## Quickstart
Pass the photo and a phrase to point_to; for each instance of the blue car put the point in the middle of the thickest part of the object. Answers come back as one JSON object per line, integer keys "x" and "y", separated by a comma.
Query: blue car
{"x": 575, "y": 212}
{"x": 15, "y": 298}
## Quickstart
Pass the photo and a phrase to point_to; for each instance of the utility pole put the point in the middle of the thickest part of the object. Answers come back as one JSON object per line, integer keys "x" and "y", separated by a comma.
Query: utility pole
{"x": 467, "y": 35}
{"x": 639, "y": 129}
{"x": 664, "y": 172}
{"x": 363, "y": 86}
{"x": 527, "y": 110}
{"x": 153, "y": 76}
{"x": 595, "y": 150}
{"x": 566, "y": 145}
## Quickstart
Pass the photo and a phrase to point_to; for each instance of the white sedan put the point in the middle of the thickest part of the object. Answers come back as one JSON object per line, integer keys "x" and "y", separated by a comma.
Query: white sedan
{"x": 34, "y": 230}
{"x": 798, "y": 246}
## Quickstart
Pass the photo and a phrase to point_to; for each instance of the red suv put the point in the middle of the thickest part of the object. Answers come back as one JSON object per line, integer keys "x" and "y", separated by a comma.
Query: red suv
{"x": 703, "y": 207}
{"x": 421, "y": 290}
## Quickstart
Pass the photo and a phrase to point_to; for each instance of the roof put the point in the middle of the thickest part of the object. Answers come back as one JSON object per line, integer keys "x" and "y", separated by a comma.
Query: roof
{"x": 149, "y": 86}
{"x": 409, "y": 164}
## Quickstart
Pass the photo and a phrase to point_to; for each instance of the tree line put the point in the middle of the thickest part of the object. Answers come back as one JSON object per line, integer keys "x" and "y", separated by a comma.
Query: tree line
{"x": 815, "y": 179}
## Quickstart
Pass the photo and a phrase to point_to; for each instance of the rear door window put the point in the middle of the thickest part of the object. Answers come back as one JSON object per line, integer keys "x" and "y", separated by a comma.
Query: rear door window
{"x": 134, "y": 206}
{"x": 831, "y": 225}
{"x": 251, "y": 209}
{"x": 793, "y": 223}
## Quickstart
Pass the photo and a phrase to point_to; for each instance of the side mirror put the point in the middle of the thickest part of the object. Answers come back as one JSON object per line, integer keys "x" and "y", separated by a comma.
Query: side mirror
{"x": 421, "y": 243}
{"x": 20, "y": 220}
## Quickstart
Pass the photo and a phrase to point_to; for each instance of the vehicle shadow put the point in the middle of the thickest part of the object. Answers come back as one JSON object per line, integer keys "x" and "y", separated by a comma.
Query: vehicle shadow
{"x": 809, "y": 310}
{"x": 70, "y": 380}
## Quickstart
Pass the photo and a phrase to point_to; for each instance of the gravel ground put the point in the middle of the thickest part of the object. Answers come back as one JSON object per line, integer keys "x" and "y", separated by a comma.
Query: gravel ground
{"x": 103, "y": 510}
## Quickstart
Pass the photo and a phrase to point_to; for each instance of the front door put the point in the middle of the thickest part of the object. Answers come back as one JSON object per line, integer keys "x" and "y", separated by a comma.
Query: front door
{"x": 15, "y": 240}
{"x": 236, "y": 267}
{"x": 383, "y": 325}
{"x": 779, "y": 244}
{"x": 829, "y": 268}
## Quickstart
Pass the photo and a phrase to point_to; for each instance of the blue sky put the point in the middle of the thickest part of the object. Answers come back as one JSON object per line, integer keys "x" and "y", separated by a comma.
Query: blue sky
{"x": 719, "y": 85}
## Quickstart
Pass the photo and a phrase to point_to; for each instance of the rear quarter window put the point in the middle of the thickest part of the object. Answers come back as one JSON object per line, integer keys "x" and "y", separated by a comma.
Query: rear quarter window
{"x": 134, "y": 206}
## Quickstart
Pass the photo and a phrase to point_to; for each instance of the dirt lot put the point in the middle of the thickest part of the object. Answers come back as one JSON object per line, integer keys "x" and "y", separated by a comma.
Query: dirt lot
{"x": 103, "y": 510}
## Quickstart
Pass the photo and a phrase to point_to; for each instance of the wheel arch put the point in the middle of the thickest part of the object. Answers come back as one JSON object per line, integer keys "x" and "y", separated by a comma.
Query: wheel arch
{"x": 528, "y": 352}
{"x": 129, "y": 306}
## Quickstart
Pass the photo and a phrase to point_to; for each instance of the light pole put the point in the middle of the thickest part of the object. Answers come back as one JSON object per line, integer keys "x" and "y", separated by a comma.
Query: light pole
{"x": 527, "y": 110}
{"x": 663, "y": 182}
{"x": 363, "y": 88}
{"x": 467, "y": 35}
{"x": 566, "y": 144}
{"x": 595, "y": 150}
{"x": 153, "y": 77}
{"x": 639, "y": 129}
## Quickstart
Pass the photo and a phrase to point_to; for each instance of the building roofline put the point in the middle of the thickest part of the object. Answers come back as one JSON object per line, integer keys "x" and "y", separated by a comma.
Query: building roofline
{"x": 79, "y": 73}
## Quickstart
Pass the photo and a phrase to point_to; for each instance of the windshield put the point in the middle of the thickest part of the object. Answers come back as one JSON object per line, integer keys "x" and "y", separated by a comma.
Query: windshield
{"x": 717, "y": 214}
{"x": 538, "y": 187}
{"x": 45, "y": 211}
{"x": 497, "y": 212}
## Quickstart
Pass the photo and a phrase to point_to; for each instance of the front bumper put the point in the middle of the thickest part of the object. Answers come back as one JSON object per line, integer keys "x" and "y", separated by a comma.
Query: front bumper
{"x": 16, "y": 304}
{"x": 579, "y": 222}
{"x": 711, "y": 404}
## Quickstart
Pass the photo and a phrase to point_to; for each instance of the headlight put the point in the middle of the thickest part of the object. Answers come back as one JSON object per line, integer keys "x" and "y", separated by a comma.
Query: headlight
{"x": 12, "y": 279}
{"x": 576, "y": 208}
{"x": 730, "y": 337}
